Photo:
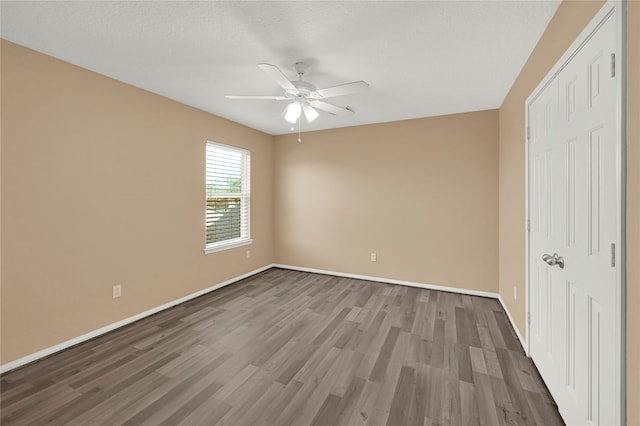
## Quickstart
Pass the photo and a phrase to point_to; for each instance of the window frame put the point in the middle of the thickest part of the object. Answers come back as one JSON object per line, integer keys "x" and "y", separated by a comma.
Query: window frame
{"x": 244, "y": 195}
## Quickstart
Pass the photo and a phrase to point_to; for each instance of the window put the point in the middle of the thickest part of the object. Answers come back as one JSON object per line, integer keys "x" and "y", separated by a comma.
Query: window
{"x": 227, "y": 186}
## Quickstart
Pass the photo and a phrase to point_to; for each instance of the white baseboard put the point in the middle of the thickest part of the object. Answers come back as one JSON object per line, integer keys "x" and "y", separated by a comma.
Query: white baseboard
{"x": 513, "y": 325}
{"x": 390, "y": 281}
{"x": 76, "y": 340}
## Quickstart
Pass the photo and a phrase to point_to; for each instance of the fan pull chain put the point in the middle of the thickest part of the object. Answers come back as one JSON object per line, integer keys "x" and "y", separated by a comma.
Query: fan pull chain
{"x": 299, "y": 124}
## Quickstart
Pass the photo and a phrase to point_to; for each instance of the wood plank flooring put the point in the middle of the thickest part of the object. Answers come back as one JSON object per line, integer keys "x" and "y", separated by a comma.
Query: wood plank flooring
{"x": 293, "y": 348}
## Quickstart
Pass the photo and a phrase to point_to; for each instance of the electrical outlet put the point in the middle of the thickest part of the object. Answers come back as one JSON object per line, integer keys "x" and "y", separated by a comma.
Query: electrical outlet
{"x": 374, "y": 257}
{"x": 117, "y": 291}
{"x": 515, "y": 292}
{"x": 248, "y": 254}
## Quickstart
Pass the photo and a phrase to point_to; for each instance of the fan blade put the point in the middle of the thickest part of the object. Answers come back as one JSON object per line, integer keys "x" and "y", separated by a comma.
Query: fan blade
{"x": 277, "y": 75}
{"x": 330, "y": 108}
{"x": 343, "y": 89}
{"x": 276, "y": 98}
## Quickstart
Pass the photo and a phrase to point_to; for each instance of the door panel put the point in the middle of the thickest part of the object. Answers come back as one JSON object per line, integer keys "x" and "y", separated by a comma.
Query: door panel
{"x": 572, "y": 291}
{"x": 572, "y": 207}
{"x": 542, "y": 200}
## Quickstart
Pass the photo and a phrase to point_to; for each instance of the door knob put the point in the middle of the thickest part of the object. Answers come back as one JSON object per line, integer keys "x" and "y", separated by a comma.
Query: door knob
{"x": 553, "y": 260}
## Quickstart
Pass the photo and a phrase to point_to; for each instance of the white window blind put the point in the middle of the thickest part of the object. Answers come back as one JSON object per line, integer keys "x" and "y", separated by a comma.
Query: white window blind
{"x": 227, "y": 187}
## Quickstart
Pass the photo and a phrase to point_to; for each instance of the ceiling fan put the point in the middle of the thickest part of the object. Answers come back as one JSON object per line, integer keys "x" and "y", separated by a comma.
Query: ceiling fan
{"x": 304, "y": 96}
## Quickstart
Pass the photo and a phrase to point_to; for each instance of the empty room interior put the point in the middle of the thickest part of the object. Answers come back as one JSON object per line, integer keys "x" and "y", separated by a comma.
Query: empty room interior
{"x": 320, "y": 213}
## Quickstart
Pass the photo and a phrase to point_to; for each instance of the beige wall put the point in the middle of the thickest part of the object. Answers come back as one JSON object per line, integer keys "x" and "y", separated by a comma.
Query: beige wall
{"x": 568, "y": 22}
{"x": 422, "y": 194}
{"x": 103, "y": 184}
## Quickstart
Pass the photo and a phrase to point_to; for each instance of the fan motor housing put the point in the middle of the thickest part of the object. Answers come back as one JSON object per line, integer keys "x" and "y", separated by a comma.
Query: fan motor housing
{"x": 303, "y": 90}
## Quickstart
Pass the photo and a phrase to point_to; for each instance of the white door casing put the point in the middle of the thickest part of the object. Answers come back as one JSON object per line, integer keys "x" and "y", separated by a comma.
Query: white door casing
{"x": 574, "y": 210}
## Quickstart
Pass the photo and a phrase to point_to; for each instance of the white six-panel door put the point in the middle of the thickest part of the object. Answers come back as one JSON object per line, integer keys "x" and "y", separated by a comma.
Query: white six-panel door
{"x": 572, "y": 198}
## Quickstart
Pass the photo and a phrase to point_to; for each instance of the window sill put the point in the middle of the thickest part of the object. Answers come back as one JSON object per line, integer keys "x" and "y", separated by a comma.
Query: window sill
{"x": 227, "y": 245}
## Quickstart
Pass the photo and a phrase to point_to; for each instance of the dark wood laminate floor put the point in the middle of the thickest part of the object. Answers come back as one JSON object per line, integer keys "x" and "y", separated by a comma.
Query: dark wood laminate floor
{"x": 293, "y": 348}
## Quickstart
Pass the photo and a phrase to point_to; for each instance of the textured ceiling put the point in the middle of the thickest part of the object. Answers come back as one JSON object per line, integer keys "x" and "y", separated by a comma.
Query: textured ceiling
{"x": 421, "y": 58}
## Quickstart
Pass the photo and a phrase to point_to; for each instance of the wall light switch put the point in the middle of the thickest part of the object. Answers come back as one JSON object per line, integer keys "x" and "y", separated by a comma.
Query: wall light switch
{"x": 374, "y": 257}
{"x": 248, "y": 254}
{"x": 117, "y": 291}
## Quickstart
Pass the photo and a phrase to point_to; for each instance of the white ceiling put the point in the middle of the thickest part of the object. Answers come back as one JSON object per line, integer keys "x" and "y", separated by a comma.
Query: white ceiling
{"x": 421, "y": 58}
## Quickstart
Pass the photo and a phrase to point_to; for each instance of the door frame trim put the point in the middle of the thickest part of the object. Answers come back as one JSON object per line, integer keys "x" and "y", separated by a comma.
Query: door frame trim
{"x": 619, "y": 9}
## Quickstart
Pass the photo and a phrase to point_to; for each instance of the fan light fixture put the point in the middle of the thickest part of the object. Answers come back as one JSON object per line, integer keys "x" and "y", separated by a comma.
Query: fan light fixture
{"x": 292, "y": 112}
{"x": 295, "y": 109}
{"x": 310, "y": 113}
